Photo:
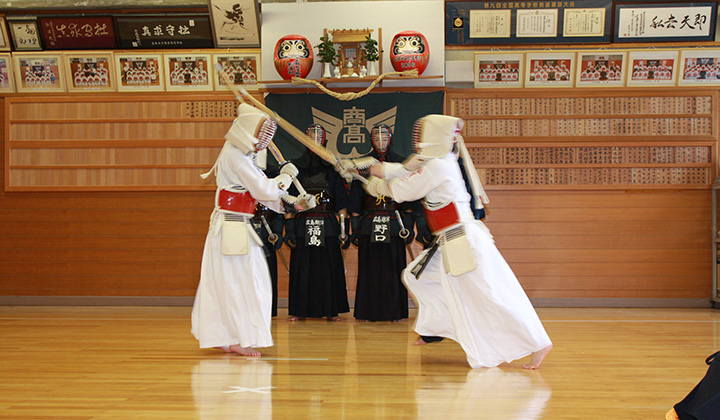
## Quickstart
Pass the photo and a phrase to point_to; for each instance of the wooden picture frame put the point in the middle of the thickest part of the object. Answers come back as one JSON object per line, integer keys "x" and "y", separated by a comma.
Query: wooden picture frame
{"x": 600, "y": 68}
{"x": 235, "y": 23}
{"x": 38, "y": 72}
{"x": 652, "y": 68}
{"x": 4, "y": 35}
{"x": 549, "y": 69}
{"x": 137, "y": 72}
{"x": 243, "y": 68}
{"x": 7, "y": 82}
{"x": 659, "y": 21}
{"x": 25, "y": 34}
{"x": 187, "y": 71}
{"x": 90, "y": 71}
{"x": 699, "y": 67}
{"x": 497, "y": 70}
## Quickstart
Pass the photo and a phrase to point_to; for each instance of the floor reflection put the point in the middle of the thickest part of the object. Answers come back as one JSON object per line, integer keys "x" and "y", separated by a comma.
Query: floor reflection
{"x": 486, "y": 393}
{"x": 230, "y": 387}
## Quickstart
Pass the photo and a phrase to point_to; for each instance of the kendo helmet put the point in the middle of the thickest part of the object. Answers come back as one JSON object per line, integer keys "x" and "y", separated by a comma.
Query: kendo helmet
{"x": 252, "y": 130}
{"x": 381, "y": 137}
{"x": 434, "y": 135}
{"x": 316, "y": 133}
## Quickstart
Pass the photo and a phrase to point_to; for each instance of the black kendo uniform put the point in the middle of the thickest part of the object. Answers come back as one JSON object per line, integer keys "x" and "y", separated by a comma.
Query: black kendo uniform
{"x": 380, "y": 294}
{"x": 275, "y": 222}
{"x": 317, "y": 286}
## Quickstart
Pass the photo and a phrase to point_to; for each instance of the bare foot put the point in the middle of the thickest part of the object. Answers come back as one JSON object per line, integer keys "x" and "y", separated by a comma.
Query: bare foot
{"x": 419, "y": 342}
{"x": 295, "y": 318}
{"x": 334, "y": 319}
{"x": 245, "y": 351}
{"x": 226, "y": 349}
{"x": 537, "y": 358}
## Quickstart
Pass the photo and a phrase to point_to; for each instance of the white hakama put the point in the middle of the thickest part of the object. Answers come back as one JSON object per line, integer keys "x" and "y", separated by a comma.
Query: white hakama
{"x": 233, "y": 303}
{"x": 485, "y": 309}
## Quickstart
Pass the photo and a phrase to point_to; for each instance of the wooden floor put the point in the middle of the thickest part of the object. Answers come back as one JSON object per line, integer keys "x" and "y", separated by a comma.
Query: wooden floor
{"x": 124, "y": 363}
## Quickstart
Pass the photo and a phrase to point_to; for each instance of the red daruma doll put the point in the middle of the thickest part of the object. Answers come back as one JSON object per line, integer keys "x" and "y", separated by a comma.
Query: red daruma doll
{"x": 293, "y": 57}
{"x": 409, "y": 51}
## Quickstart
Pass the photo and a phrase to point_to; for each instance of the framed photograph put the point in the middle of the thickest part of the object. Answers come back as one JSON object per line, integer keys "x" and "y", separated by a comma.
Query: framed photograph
{"x": 77, "y": 32}
{"x": 652, "y": 68}
{"x": 89, "y": 71}
{"x": 139, "y": 72}
{"x": 7, "y": 84}
{"x": 494, "y": 69}
{"x": 187, "y": 71}
{"x": 658, "y": 22}
{"x": 25, "y": 34}
{"x": 4, "y": 37}
{"x": 549, "y": 69}
{"x": 38, "y": 72}
{"x": 243, "y": 68}
{"x": 235, "y": 23}
{"x": 699, "y": 67}
{"x": 600, "y": 68}
{"x": 164, "y": 31}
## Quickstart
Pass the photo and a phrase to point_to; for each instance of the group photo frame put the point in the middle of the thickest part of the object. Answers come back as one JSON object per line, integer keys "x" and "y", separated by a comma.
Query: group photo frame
{"x": 187, "y": 71}
{"x": 7, "y": 82}
{"x": 652, "y": 68}
{"x": 242, "y": 67}
{"x": 699, "y": 67}
{"x": 600, "y": 68}
{"x": 138, "y": 72}
{"x": 235, "y": 23}
{"x": 89, "y": 71}
{"x": 549, "y": 69}
{"x": 496, "y": 69}
{"x": 38, "y": 72}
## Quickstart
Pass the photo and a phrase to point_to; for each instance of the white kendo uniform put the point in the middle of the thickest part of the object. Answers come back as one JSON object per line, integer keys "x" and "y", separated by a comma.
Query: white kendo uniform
{"x": 484, "y": 308}
{"x": 233, "y": 302}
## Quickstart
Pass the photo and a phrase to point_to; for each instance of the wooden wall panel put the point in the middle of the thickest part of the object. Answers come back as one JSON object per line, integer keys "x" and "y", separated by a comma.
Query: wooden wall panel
{"x": 585, "y": 241}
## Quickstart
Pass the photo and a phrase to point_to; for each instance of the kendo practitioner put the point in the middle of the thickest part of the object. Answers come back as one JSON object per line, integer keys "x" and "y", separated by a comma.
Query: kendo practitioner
{"x": 269, "y": 227}
{"x": 464, "y": 288}
{"x": 317, "y": 287}
{"x": 381, "y": 229}
{"x": 233, "y": 303}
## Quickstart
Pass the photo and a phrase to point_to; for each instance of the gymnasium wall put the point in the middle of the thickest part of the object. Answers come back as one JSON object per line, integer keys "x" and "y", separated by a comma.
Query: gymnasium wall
{"x": 592, "y": 202}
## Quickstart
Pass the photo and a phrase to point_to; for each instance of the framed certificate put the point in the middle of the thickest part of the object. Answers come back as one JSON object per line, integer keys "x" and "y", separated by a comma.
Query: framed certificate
{"x": 600, "y": 68}
{"x": 4, "y": 36}
{"x": 652, "y": 68}
{"x": 243, "y": 68}
{"x": 38, "y": 72}
{"x": 139, "y": 72}
{"x": 187, "y": 71}
{"x": 91, "y": 71}
{"x": 699, "y": 67}
{"x": 549, "y": 69}
{"x": 494, "y": 69}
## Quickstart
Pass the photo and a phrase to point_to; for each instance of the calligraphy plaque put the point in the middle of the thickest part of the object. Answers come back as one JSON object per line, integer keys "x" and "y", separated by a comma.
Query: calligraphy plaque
{"x": 689, "y": 21}
{"x": 164, "y": 32}
{"x": 78, "y": 33}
